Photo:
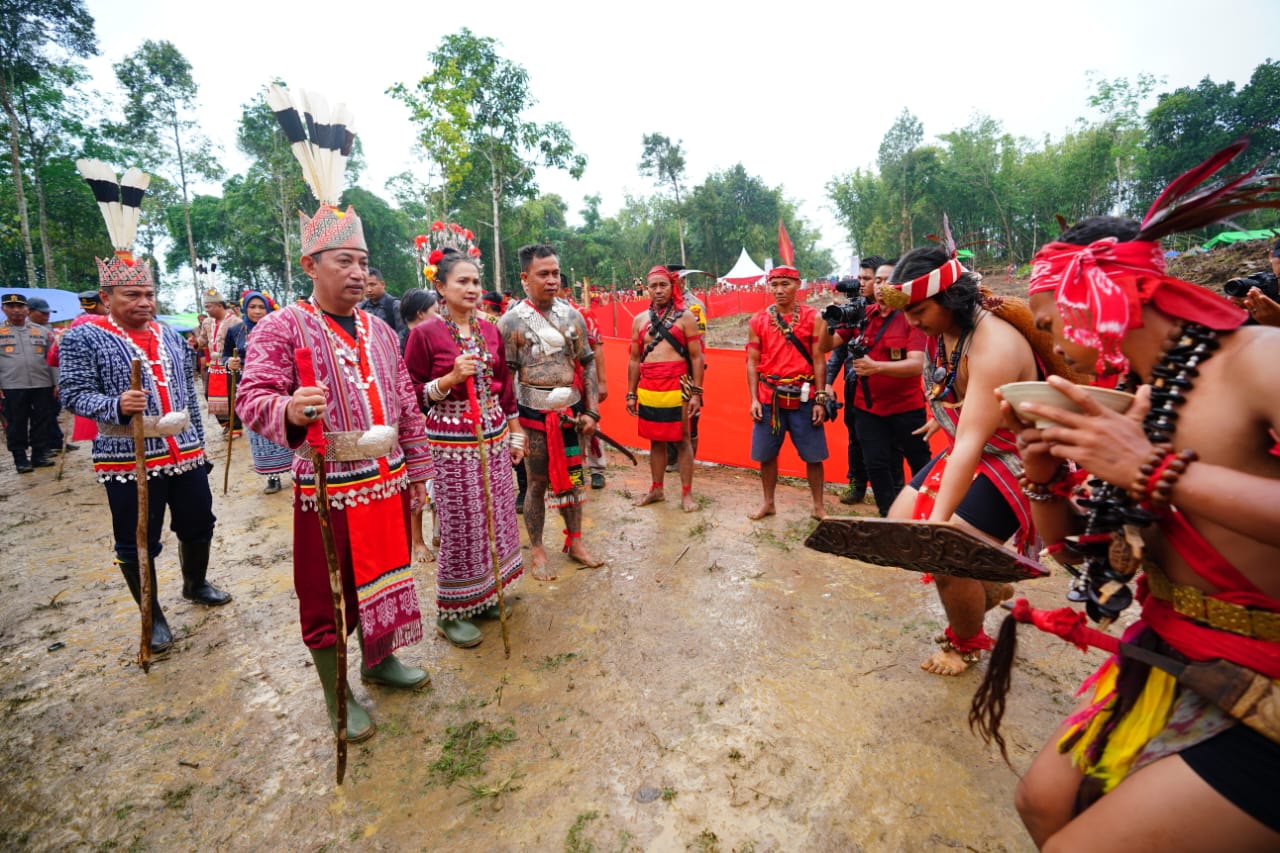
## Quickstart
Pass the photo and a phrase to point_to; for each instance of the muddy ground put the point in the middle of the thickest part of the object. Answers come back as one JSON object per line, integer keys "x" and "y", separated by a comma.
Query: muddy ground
{"x": 715, "y": 687}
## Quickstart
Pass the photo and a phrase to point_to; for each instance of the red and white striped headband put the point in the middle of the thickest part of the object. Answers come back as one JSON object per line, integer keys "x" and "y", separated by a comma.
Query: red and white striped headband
{"x": 902, "y": 294}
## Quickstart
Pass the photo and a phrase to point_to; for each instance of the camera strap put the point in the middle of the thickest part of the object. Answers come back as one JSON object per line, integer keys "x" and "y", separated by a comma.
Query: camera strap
{"x": 866, "y": 380}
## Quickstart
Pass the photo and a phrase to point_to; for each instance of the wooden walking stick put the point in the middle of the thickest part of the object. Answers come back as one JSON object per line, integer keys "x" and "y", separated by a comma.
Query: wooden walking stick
{"x": 318, "y": 443}
{"x": 144, "y": 510}
{"x": 231, "y": 420}
{"x": 477, "y": 420}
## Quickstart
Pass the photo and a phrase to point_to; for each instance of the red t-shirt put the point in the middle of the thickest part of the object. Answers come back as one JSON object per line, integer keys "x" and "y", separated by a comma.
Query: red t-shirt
{"x": 890, "y": 395}
{"x": 778, "y": 355}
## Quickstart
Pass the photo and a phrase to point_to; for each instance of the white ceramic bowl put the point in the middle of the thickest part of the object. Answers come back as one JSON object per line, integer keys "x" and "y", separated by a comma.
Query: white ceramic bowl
{"x": 1018, "y": 393}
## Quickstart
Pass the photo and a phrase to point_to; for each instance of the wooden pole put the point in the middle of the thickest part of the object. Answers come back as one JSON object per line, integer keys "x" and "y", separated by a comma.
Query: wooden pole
{"x": 231, "y": 420}
{"x": 318, "y": 443}
{"x": 477, "y": 420}
{"x": 144, "y": 510}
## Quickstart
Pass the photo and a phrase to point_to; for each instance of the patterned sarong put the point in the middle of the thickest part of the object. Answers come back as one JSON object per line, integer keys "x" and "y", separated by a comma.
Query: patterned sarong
{"x": 216, "y": 385}
{"x": 564, "y": 455}
{"x": 269, "y": 458}
{"x": 464, "y": 564}
{"x": 661, "y": 401}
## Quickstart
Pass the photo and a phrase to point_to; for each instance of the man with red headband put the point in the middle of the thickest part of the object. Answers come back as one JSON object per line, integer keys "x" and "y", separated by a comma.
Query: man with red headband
{"x": 664, "y": 381}
{"x": 970, "y": 351}
{"x": 783, "y": 365}
{"x": 1186, "y": 491}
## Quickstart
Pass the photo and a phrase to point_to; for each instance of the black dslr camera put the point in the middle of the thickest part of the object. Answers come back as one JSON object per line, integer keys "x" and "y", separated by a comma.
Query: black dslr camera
{"x": 849, "y": 284}
{"x": 847, "y": 315}
{"x": 1240, "y": 287}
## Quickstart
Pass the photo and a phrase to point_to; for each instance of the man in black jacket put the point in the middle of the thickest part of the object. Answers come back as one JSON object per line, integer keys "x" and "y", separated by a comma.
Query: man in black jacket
{"x": 379, "y": 303}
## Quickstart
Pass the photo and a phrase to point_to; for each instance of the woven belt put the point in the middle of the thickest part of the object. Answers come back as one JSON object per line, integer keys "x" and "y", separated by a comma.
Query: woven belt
{"x": 533, "y": 397}
{"x": 151, "y": 427}
{"x": 348, "y": 447}
{"x": 1214, "y": 612}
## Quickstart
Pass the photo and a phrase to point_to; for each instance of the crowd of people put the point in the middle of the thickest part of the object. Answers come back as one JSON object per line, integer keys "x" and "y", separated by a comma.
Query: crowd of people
{"x": 381, "y": 408}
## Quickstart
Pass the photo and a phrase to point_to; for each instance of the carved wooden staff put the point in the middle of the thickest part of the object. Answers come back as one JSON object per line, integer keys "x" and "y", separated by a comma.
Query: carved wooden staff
{"x": 144, "y": 511}
{"x": 231, "y": 420}
{"x": 318, "y": 443}
{"x": 477, "y": 420}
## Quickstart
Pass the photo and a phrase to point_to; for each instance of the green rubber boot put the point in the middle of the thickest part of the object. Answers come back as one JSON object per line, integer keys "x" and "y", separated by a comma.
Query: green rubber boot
{"x": 461, "y": 632}
{"x": 359, "y": 726}
{"x": 491, "y": 612}
{"x": 390, "y": 672}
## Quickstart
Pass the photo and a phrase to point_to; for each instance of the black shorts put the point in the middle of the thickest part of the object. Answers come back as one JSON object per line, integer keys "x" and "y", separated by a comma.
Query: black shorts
{"x": 983, "y": 506}
{"x": 1244, "y": 767}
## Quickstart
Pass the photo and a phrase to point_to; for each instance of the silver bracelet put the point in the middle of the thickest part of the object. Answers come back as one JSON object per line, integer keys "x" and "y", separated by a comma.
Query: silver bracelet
{"x": 434, "y": 392}
{"x": 518, "y": 440}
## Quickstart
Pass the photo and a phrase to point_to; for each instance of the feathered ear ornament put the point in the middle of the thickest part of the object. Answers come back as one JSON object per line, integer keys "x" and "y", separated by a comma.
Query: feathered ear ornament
{"x": 321, "y": 142}
{"x": 119, "y": 200}
{"x": 1181, "y": 207}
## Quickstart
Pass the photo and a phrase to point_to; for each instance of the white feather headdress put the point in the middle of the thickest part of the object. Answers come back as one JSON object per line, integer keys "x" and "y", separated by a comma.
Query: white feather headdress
{"x": 119, "y": 199}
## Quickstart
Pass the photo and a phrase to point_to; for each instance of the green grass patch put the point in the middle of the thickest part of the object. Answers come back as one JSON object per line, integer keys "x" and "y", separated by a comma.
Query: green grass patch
{"x": 466, "y": 749}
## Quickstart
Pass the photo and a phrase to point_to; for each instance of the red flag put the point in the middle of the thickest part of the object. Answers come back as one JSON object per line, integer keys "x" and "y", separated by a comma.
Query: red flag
{"x": 786, "y": 251}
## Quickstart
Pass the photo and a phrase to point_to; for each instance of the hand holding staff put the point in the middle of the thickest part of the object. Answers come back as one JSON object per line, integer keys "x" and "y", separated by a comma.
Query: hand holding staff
{"x": 144, "y": 509}
{"x": 231, "y": 419}
{"x": 477, "y": 420}
{"x": 318, "y": 443}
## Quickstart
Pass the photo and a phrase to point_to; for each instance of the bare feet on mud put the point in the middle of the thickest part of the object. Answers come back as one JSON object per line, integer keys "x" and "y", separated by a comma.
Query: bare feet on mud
{"x": 819, "y": 513}
{"x": 687, "y": 503}
{"x": 538, "y": 564}
{"x": 579, "y": 552}
{"x": 766, "y": 509}
{"x": 945, "y": 662}
{"x": 654, "y": 496}
{"x": 422, "y": 554}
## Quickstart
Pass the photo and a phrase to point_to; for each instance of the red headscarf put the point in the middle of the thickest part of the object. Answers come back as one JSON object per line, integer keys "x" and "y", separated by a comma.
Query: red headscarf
{"x": 677, "y": 298}
{"x": 901, "y": 294}
{"x": 1101, "y": 288}
{"x": 784, "y": 272}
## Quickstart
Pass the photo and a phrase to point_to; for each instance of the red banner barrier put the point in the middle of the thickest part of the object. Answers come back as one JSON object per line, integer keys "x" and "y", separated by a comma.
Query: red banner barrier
{"x": 725, "y": 430}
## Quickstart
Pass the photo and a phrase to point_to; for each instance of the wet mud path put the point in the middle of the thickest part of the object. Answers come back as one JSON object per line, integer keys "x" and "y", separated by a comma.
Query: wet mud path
{"x": 715, "y": 687}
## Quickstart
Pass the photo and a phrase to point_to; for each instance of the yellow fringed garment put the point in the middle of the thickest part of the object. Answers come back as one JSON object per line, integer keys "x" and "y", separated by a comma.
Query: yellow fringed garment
{"x": 1147, "y": 718}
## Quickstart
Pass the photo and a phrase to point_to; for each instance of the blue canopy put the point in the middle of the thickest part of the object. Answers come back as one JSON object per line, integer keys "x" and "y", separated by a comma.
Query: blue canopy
{"x": 63, "y": 304}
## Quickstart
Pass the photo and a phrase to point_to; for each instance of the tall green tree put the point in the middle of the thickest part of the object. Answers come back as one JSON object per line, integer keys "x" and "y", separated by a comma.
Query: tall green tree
{"x": 484, "y": 97}
{"x": 663, "y": 160}
{"x": 160, "y": 95}
{"x": 28, "y": 29}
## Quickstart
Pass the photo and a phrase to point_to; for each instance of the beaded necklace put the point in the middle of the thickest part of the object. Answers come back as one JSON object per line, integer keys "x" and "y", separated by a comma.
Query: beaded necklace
{"x": 349, "y": 358}
{"x": 1111, "y": 545}
{"x": 943, "y": 376}
{"x": 162, "y": 360}
{"x": 473, "y": 345}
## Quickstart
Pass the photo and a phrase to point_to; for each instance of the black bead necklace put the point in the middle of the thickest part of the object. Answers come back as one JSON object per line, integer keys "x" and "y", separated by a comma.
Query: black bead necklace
{"x": 1109, "y": 560}
{"x": 943, "y": 376}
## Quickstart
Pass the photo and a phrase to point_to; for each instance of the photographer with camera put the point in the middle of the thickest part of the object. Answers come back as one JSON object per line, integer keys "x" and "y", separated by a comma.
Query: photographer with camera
{"x": 840, "y": 361}
{"x": 1259, "y": 293}
{"x": 882, "y": 388}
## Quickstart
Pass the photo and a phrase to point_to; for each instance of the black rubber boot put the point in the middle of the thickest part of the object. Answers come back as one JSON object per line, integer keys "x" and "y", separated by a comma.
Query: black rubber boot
{"x": 390, "y": 672}
{"x": 22, "y": 463}
{"x": 194, "y": 557}
{"x": 161, "y": 636}
{"x": 359, "y": 725}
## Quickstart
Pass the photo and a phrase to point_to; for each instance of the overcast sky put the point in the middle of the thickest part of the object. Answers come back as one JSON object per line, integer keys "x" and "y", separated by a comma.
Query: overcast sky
{"x": 798, "y": 92}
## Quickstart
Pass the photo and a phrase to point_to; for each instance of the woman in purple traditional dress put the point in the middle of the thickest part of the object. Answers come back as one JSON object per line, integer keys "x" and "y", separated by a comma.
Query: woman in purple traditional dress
{"x": 444, "y": 355}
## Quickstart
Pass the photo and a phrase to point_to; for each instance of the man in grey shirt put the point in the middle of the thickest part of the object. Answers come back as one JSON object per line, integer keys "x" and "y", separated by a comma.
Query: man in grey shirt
{"x": 26, "y": 383}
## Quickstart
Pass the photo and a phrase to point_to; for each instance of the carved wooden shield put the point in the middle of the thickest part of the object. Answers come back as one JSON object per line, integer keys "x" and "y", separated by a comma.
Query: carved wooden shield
{"x": 923, "y": 546}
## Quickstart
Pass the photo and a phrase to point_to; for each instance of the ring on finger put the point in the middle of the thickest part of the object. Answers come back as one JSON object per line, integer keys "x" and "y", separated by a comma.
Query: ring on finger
{"x": 310, "y": 412}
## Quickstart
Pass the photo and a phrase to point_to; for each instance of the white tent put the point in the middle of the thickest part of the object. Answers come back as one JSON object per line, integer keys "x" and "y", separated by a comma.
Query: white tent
{"x": 744, "y": 272}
